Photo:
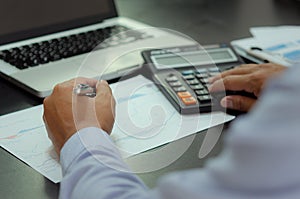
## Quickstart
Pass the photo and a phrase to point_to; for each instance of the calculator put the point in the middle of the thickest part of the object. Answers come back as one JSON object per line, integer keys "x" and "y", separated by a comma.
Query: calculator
{"x": 182, "y": 74}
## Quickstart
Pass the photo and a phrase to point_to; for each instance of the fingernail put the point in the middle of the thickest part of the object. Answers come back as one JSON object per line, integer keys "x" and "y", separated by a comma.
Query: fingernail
{"x": 227, "y": 103}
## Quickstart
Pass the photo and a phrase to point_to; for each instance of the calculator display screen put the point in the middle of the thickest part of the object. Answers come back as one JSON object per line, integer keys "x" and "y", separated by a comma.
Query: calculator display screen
{"x": 194, "y": 58}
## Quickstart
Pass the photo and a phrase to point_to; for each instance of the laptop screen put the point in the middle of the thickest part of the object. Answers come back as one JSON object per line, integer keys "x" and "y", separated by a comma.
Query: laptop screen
{"x": 31, "y": 18}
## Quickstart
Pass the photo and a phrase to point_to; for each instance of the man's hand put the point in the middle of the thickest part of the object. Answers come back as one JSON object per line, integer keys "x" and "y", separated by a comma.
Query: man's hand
{"x": 66, "y": 113}
{"x": 249, "y": 77}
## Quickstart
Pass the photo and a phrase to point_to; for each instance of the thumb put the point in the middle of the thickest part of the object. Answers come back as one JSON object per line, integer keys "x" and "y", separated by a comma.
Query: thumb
{"x": 103, "y": 88}
{"x": 238, "y": 102}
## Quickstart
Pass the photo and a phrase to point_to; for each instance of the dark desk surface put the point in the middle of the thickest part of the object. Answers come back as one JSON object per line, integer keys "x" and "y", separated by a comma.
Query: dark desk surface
{"x": 207, "y": 21}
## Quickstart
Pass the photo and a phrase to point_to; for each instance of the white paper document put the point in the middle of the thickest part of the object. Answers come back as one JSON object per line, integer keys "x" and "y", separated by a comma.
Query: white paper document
{"x": 280, "y": 44}
{"x": 144, "y": 120}
{"x": 24, "y": 135}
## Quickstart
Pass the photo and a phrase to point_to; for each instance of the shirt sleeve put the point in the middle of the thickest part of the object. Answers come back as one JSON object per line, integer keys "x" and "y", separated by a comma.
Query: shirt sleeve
{"x": 93, "y": 168}
{"x": 260, "y": 158}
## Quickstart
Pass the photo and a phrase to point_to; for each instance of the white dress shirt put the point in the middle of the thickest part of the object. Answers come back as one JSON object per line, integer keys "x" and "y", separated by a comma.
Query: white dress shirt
{"x": 261, "y": 158}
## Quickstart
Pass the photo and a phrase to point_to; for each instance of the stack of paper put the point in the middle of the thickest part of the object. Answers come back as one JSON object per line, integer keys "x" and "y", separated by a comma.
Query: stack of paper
{"x": 274, "y": 44}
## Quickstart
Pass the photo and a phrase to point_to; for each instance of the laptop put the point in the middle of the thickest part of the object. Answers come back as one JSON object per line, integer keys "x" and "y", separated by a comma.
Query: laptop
{"x": 43, "y": 43}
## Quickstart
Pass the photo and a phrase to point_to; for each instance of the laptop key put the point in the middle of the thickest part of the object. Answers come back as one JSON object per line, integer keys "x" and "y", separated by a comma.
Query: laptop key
{"x": 56, "y": 57}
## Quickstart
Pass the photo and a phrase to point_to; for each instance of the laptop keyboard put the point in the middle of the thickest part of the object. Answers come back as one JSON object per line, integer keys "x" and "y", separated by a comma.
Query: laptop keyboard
{"x": 56, "y": 49}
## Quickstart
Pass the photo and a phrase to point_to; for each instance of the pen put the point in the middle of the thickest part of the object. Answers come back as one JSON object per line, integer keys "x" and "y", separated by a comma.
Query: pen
{"x": 265, "y": 57}
{"x": 85, "y": 90}
{"x": 258, "y": 53}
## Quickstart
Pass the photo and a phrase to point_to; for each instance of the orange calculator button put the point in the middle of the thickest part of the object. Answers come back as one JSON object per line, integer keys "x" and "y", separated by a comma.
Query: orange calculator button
{"x": 184, "y": 94}
{"x": 189, "y": 101}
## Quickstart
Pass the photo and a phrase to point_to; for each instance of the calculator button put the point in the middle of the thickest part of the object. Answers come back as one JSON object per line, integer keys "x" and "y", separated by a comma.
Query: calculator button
{"x": 188, "y": 77}
{"x": 197, "y": 87}
{"x": 204, "y": 81}
{"x": 184, "y": 94}
{"x": 179, "y": 89}
{"x": 214, "y": 69}
{"x": 202, "y": 75}
{"x": 201, "y": 70}
{"x": 175, "y": 84}
{"x": 201, "y": 92}
{"x": 189, "y": 101}
{"x": 187, "y": 72}
{"x": 204, "y": 98}
{"x": 193, "y": 82}
{"x": 172, "y": 79}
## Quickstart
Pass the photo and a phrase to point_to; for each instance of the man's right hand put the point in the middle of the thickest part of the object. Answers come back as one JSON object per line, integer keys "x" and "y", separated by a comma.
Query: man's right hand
{"x": 249, "y": 77}
{"x": 65, "y": 113}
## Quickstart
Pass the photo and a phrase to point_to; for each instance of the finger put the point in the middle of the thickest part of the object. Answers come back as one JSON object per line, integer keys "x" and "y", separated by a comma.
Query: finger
{"x": 233, "y": 83}
{"x": 105, "y": 101}
{"x": 103, "y": 87}
{"x": 104, "y": 90}
{"x": 240, "y": 70}
{"x": 247, "y": 65}
{"x": 237, "y": 102}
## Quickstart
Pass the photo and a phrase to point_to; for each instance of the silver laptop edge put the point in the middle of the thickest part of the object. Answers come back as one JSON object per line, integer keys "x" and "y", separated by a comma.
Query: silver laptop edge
{"x": 40, "y": 80}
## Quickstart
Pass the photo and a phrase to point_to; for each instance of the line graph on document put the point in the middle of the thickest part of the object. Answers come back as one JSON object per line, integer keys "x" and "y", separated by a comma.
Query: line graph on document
{"x": 142, "y": 119}
{"x": 31, "y": 145}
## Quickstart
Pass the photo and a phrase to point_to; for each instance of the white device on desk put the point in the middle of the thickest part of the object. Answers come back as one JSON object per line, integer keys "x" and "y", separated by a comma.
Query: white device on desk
{"x": 43, "y": 43}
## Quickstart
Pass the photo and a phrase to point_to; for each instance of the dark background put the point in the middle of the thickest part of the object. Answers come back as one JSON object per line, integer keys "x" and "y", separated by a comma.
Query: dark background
{"x": 26, "y": 19}
{"x": 207, "y": 21}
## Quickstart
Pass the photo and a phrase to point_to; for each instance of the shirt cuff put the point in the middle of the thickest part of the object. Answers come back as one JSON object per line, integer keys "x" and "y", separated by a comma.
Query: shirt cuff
{"x": 84, "y": 139}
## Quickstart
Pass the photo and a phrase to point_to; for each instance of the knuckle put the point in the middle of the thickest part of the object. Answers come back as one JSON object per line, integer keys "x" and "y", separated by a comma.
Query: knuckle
{"x": 56, "y": 88}
{"x": 226, "y": 81}
{"x": 252, "y": 78}
{"x": 45, "y": 101}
